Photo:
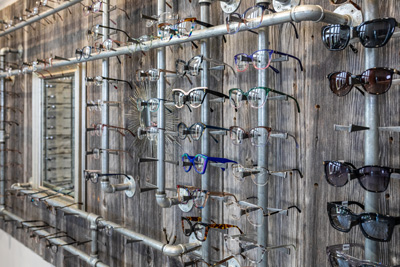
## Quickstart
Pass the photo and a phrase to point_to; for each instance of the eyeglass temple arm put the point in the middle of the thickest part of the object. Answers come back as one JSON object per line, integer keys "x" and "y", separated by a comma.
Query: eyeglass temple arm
{"x": 284, "y": 54}
{"x": 295, "y": 100}
{"x": 294, "y": 26}
{"x": 220, "y": 63}
{"x": 115, "y": 29}
{"x": 288, "y": 134}
{"x": 118, "y": 80}
{"x": 346, "y": 203}
{"x": 143, "y": 16}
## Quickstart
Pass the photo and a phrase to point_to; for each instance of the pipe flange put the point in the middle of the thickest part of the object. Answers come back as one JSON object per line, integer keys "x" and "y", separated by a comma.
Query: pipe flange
{"x": 279, "y": 6}
{"x": 132, "y": 186}
{"x": 233, "y": 263}
{"x": 351, "y": 11}
{"x": 189, "y": 205}
{"x": 231, "y": 6}
{"x": 20, "y": 51}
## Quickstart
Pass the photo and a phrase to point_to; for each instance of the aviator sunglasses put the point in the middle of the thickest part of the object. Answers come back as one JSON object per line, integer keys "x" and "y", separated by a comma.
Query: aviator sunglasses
{"x": 373, "y": 33}
{"x": 374, "y": 81}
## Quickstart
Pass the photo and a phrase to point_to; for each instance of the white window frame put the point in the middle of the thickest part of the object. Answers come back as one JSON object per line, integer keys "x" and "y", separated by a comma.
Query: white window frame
{"x": 79, "y": 72}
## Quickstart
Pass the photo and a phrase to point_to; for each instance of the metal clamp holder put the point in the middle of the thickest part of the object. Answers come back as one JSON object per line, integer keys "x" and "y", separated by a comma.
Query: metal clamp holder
{"x": 351, "y": 128}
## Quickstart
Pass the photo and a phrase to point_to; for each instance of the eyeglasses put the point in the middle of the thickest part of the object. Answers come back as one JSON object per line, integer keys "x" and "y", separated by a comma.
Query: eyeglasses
{"x": 372, "y": 178}
{"x": 255, "y": 214}
{"x": 374, "y": 81}
{"x": 374, "y": 226}
{"x": 252, "y": 18}
{"x": 96, "y": 5}
{"x": 96, "y": 152}
{"x": 85, "y": 52}
{"x": 108, "y": 45}
{"x": 194, "y": 97}
{"x": 193, "y": 66}
{"x": 373, "y": 33}
{"x": 195, "y": 130}
{"x": 259, "y": 136}
{"x": 198, "y": 196}
{"x": 163, "y": 17}
{"x": 338, "y": 256}
{"x": 201, "y": 229}
{"x": 98, "y": 80}
{"x": 99, "y": 127}
{"x": 151, "y": 75}
{"x": 249, "y": 249}
{"x": 153, "y": 104}
{"x": 196, "y": 261}
{"x": 150, "y": 132}
{"x": 93, "y": 175}
{"x": 260, "y": 60}
{"x": 256, "y": 97}
{"x": 200, "y": 162}
{"x": 259, "y": 175}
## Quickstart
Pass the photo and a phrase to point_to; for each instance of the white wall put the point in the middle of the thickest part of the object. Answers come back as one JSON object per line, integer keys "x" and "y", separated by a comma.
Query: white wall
{"x": 15, "y": 254}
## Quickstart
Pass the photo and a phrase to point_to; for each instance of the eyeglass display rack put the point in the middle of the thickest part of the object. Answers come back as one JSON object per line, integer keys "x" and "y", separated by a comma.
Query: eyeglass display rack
{"x": 371, "y": 138}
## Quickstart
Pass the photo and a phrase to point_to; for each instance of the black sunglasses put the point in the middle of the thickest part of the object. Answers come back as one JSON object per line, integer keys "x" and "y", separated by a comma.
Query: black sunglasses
{"x": 373, "y": 33}
{"x": 372, "y": 178}
{"x": 374, "y": 226}
{"x": 374, "y": 81}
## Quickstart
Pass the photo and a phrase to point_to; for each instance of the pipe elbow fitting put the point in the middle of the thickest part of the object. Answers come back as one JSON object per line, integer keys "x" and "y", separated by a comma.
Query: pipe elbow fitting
{"x": 173, "y": 250}
{"x": 310, "y": 12}
{"x": 106, "y": 186}
{"x": 165, "y": 202}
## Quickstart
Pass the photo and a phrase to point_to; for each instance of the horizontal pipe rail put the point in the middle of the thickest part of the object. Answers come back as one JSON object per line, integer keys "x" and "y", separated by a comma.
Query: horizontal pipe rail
{"x": 38, "y": 17}
{"x": 300, "y": 13}
{"x": 57, "y": 241}
{"x": 169, "y": 250}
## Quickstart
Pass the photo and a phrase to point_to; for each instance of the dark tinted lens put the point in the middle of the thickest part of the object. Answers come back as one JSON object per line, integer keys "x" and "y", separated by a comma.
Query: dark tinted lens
{"x": 376, "y": 226}
{"x": 339, "y": 82}
{"x": 337, "y": 261}
{"x": 376, "y": 81}
{"x": 336, "y": 37}
{"x": 340, "y": 217}
{"x": 375, "y": 34}
{"x": 336, "y": 173}
{"x": 374, "y": 179}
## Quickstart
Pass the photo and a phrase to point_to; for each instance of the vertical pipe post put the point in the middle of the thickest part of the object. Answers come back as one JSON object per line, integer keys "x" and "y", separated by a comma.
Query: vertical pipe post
{"x": 205, "y": 115}
{"x": 2, "y": 128}
{"x": 161, "y": 112}
{"x": 371, "y": 142}
{"x": 262, "y": 191}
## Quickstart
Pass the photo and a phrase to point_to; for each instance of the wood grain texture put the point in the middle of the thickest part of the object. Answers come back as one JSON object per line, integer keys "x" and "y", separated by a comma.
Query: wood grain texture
{"x": 310, "y": 231}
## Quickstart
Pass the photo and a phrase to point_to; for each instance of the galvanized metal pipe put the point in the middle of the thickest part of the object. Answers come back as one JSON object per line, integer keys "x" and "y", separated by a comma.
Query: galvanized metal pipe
{"x": 39, "y": 17}
{"x": 205, "y": 8}
{"x": 262, "y": 191}
{"x": 371, "y": 142}
{"x": 166, "y": 249}
{"x": 57, "y": 241}
{"x": 300, "y": 13}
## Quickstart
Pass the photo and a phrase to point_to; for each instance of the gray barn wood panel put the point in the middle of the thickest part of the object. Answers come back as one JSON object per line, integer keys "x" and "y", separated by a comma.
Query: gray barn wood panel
{"x": 310, "y": 231}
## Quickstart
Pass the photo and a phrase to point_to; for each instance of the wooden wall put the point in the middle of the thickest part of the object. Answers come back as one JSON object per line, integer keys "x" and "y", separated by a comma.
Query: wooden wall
{"x": 310, "y": 231}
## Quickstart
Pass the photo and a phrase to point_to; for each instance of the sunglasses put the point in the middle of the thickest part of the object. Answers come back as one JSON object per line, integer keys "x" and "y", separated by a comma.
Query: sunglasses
{"x": 338, "y": 256}
{"x": 372, "y": 178}
{"x": 373, "y": 34}
{"x": 200, "y": 162}
{"x": 256, "y": 97}
{"x": 201, "y": 229}
{"x": 259, "y": 175}
{"x": 374, "y": 226}
{"x": 260, "y": 60}
{"x": 195, "y": 130}
{"x": 374, "y": 81}
{"x": 249, "y": 249}
{"x": 194, "y": 97}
